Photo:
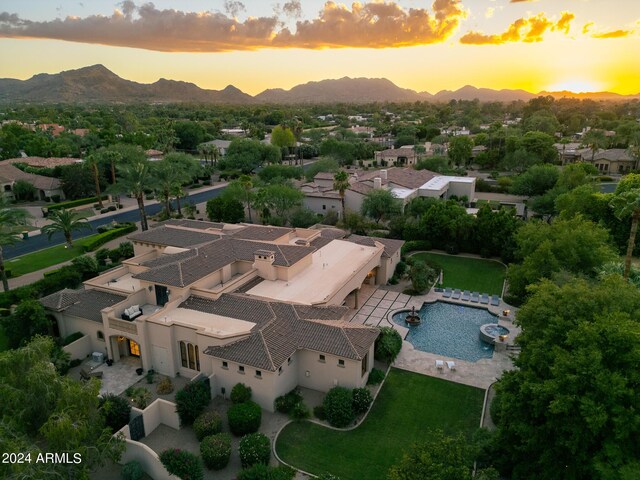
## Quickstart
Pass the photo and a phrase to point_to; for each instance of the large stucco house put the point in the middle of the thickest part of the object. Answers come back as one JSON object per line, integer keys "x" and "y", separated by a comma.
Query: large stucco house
{"x": 265, "y": 306}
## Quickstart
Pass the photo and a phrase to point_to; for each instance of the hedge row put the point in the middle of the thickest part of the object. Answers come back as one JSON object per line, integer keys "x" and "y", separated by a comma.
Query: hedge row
{"x": 75, "y": 203}
{"x": 100, "y": 239}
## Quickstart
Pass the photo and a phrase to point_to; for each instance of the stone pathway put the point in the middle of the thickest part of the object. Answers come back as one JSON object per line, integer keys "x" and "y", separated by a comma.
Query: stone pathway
{"x": 378, "y": 305}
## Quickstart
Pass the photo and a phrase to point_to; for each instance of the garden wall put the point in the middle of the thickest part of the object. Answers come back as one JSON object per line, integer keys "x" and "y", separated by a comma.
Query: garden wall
{"x": 147, "y": 458}
{"x": 80, "y": 348}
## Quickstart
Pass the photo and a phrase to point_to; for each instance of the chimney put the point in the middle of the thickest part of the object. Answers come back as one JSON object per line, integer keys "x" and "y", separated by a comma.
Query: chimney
{"x": 383, "y": 174}
{"x": 377, "y": 183}
{"x": 263, "y": 262}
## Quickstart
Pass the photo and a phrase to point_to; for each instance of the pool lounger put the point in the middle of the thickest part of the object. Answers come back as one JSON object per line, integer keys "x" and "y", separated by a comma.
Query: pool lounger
{"x": 456, "y": 294}
{"x": 447, "y": 293}
{"x": 466, "y": 295}
{"x": 495, "y": 300}
{"x": 451, "y": 365}
{"x": 484, "y": 299}
{"x": 439, "y": 364}
{"x": 475, "y": 297}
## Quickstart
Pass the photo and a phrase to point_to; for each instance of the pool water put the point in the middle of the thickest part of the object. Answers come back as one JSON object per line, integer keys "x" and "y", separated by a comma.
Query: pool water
{"x": 449, "y": 330}
{"x": 497, "y": 330}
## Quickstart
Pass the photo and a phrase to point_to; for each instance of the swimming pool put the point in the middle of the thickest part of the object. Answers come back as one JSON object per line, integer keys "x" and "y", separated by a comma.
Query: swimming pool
{"x": 449, "y": 330}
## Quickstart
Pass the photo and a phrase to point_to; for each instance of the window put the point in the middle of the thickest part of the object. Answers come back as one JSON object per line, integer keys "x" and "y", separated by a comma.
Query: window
{"x": 322, "y": 359}
{"x": 341, "y": 363}
{"x": 258, "y": 374}
{"x": 365, "y": 364}
{"x": 100, "y": 335}
{"x": 225, "y": 365}
{"x": 189, "y": 356}
{"x": 241, "y": 369}
{"x": 324, "y": 207}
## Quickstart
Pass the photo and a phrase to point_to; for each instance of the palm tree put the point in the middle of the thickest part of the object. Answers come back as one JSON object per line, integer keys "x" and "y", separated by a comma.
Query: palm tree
{"x": 628, "y": 204}
{"x": 596, "y": 140}
{"x": 135, "y": 178}
{"x": 92, "y": 162}
{"x": 340, "y": 185}
{"x": 247, "y": 185}
{"x": 170, "y": 173}
{"x": 10, "y": 218}
{"x": 65, "y": 221}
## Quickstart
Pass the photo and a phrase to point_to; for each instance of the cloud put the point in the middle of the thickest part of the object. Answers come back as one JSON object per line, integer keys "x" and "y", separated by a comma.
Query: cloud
{"x": 293, "y": 9}
{"x": 529, "y": 30}
{"x": 365, "y": 25}
{"x": 489, "y": 12}
{"x": 613, "y": 34}
{"x": 587, "y": 27}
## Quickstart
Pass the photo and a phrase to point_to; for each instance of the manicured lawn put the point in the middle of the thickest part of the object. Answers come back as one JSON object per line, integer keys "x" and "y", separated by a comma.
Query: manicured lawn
{"x": 475, "y": 274}
{"x": 407, "y": 406}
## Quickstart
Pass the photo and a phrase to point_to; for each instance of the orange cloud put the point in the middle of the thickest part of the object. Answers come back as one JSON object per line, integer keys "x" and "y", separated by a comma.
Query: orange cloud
{"x": 587, "y": 27}
{"x": 365, "y": 25}
{"x": 531, "y": 29}
{"x": 613, "y": 34}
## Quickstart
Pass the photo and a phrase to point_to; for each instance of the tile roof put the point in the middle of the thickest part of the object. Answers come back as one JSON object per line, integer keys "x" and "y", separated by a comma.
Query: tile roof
{"x": 614, "y": 154}
{"x": 175, "y": 237}
{"x": 360, "y": 188}
{"x": 391, "y": 246}
{"x": 196, "y": 224}
{"x": 81, "y": 303}
{"x": 403, "y": 177}
{"x": 10, "y": 173}
{"x": 290, "y": 328}
{"x": 266, "y": 233}
{"x": 39, "y": 162}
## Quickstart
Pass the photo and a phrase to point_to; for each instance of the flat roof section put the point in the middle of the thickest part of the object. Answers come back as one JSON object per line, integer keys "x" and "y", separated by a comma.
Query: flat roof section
{"x": 439, "y": 182}
{"x": 331, "y": 267}
{"x": 216, "y": 325}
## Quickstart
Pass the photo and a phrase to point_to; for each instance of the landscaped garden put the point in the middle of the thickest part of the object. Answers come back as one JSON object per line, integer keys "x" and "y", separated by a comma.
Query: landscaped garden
{"x": 474, "y": 274}
{"x": 408, "y": 405}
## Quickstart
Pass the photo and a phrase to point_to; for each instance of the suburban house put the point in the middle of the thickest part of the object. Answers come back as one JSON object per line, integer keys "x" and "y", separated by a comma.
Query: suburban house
{"x": 222, "y": 145}
{"x": 44, "y": 162}
{"x": 398, "y": 157}
{"x": 261, "y": 305}
{"x": 320, "y": 197}
{"x": 613, "y": 160}
{"x": 46, "y": 187}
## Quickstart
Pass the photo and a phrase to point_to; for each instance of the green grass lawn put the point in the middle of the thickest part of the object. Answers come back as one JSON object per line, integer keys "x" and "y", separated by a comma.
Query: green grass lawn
{"x": 475, "y": 274}
{"x": 407, "y": 406}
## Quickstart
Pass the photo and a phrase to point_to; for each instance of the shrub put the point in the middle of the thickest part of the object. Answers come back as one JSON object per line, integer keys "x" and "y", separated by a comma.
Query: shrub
{"x": 362, "y": 398}
{"x": 112, "y": 208}
{"x": 338, "y": 407}
{"x": 164, "y": 386}
{"x": 86, "y": 265}
{"x": 300, "y": 411}
{"x": 126, "y": 250}
{"x": 75, "y": 362}
{"x": 216, "y": 451}
{"x": 240, "y": 393}
{"x": 104, "y": 210}
{"x": 264, "y": 472}
{"x": 72, "y": 338}
{"x": 102, "y": 238}
{"x": 75, "y": 203}
{"x": 414, "y": 245}
{"x": 101, "y": 256}
{"x": 318, "y": 412}
{"x": 115, "y": 410}
{"x": 208, "y": 423}
{"x": 375, "y": 376}
{"x": 254, "y": 448}
{"x": 393, "y": 280}
{"x": 132, "y": 471}
{"x": 244, "y": 418}
{"x": 388, "y": 345}
{"x": 182, "y": 464}
{"x": 286, "y": 403}
{"x": 191, "y": 401}
{"x": 401, "y": 269}
{"x": 140, "y": 397}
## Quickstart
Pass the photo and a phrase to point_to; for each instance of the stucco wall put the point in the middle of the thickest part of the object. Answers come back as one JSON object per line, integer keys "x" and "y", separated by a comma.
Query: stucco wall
{"x": 353, "y": 200}
{"x": 263, "y": 390}
{"x": 315, "y": 205}
{"x": 80, "y": 348}
{"x": 148, "y": 459}
{"x": 69, "y": 324}
{"x": 314, "y": 374}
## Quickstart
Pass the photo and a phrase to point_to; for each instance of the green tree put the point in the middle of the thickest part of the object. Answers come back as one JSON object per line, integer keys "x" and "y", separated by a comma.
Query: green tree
{"x": 170, "y": 174}
{"x": 77, "y": 181}
{"x": 225, "y": 209}
{"x": 541, "y": 145}
{"x": 595, "y": 140}
{"x": 321, "y": 165}
{"x": 537, "y": 180}
{"x": 303, "y": 218}
{"x": 65, "y": 221}
{"x": 282, "y": 137}
{"x": 135, "y": 177}
{"x": 340, "y": 185}
{"x": 420, "y": 275}
{"x": 627, "y": 204}
{"x": 189, "y": 134}
{"x": 92, "y": 162}
{"x": 568, "y": 408}
{"x": 460, "y": 148}
{"x": 243, "y": 154}
{"x": 11, "y": 219}
{"x": 381, "y": 204}
{"x": 279, "y": 199}
{"x": 23, "y": 191}
{"x": 29, "y": 319}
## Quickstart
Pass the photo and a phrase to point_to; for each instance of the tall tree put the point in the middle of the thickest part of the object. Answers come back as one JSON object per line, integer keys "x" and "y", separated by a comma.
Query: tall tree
{"x": 595, "y": 140}
{"x": 65, "y": 221}
{"x": 170, "y": 173}
{"x": 460, "y": 149}
{"x": 627, "y": 204}
{"x": 280, "y": 199}
{"x": 10, "y": 220}
{"x": 247, "y": 187}
{"x": 381, "y": 204}
{"x": 136, "y": 177}
{"x": 92, "y": 162}
{"x": 340, "y": 185}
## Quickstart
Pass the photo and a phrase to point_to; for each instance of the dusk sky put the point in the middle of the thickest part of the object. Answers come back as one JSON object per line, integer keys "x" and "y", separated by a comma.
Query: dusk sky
{"x": 579, "y": 45}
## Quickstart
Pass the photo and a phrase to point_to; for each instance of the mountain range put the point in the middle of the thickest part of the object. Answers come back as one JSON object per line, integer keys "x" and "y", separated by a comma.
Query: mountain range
{"x": 97, "y": 84}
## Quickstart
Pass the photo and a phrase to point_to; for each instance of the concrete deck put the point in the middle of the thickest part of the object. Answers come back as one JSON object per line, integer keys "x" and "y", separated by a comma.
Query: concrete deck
{"x": 119, "y": 376}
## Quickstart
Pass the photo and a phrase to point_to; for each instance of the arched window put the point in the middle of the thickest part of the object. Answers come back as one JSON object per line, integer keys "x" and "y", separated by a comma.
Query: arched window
{"x": 183, "y": 354}
{"x": 100, "y": 335}
{"x": 192, "y": 357}
{"x": 189, "y": 356}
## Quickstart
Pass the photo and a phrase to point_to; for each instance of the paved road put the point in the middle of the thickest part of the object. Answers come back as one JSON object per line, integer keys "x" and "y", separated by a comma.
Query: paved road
{"x": 38, "y": 242}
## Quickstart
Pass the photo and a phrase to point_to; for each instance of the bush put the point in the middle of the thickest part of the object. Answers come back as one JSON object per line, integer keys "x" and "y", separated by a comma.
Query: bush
{"x": 101, "y": 256}
{"x": 401, "y": 269}
{"x": 216, "y": 451}
{"x": 318, "y": 412}
{"x": 115, "y": 410}
{"x": 240, "y": 393}
{"x": 182, "y": 464}
{"x": 264, "y": 472}
{"x": 287, "y": 402}
{"x": 300, "y": 411}
{"x": 362, "y": 399}
{"x": 244, "y": 418}
{"x": 104, "y": 210}
{"x": 72, "y": 338}
{"x": 208, "y": 423}
{"x": 75, "y": 362}
{"x": 414, "y": 245}
{"x": 375, "y": 376}
{"x": 75, "y": 203}
{"x": 388, "y": 345}
{"x": 393, "y": 280}
{"x": 102, "y": 238}
{"x": 254, "y": 448}
{"x": 338, "y": 407}
{"x": 112, "y": 208}
{"x": 126, "y": 250}
{"x": 132, "y": 471}
{"x": 164, "y": 386}
{"x": 191, "y": 401}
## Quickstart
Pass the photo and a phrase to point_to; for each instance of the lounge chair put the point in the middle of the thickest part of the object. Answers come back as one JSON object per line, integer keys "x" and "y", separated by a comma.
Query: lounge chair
{"x": 84, "y": 375}
{"x": 456, "y": 294}
{"x": 466, "y": 295}
{"x": 451, "y": 365}
{"x": 447, "y": 293}
{"x": 475, "y": 297}
{"x": 484, "y": 299}
{"x": 495, "y": 300}
{"x": 439, "y": 364}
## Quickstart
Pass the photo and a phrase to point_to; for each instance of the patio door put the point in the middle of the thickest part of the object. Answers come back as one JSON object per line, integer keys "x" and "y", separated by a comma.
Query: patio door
{"x": 162, "y": 295}
{"x": 134, "y": 349}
